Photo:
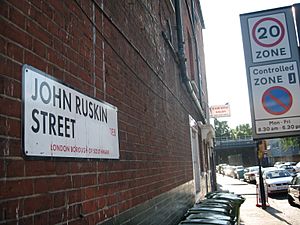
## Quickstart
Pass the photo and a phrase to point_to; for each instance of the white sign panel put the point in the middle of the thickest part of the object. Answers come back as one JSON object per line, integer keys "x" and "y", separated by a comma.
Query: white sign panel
{"x": 59, "y": 121}
{"x": 272, "y": 64}
{"x": 217, "y": 111}
{"x": 276, "y": 90}
{"x": 269, "y": 38}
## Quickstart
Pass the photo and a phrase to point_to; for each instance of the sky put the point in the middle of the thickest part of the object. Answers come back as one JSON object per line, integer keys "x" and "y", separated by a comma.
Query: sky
{"x": 224, "y": 55}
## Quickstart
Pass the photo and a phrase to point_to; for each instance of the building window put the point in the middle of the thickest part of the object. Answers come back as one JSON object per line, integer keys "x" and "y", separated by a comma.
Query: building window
{"x": 191, "y": 57}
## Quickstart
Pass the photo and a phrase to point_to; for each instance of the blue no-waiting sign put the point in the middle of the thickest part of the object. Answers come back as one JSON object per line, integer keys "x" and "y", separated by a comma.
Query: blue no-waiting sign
{"x": 277, "y": 100}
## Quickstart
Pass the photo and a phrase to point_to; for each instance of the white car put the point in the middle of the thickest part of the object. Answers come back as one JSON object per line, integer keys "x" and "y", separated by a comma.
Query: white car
{"x": 287, "y": 167}
{"x": 276, "y": 180}
{"x": 278, "y": 163}
{"x": 297, "y": 167}
{"x": 250, "y": 174}
{"x": 294, "y": 191}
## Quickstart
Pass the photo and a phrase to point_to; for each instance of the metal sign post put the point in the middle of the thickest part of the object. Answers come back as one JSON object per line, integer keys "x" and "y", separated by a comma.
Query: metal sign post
{"x": 297, "y": 15}
{"x": 260, "y": 149}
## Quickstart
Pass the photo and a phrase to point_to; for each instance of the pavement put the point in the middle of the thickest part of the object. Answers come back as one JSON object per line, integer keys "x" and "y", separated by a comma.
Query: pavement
{"x": 250, "y": 214}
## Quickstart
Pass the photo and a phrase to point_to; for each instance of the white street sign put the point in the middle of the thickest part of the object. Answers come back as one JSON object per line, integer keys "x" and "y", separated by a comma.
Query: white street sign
{"x": 217, "y": 111}
{"x": 59, "y": 121}
{"x": 276, "y": 91}
{"x": 272, "y": 64}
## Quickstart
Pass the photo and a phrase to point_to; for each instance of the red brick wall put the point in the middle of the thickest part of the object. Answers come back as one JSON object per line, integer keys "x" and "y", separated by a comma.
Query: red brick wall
{"x": 133, "y": 69}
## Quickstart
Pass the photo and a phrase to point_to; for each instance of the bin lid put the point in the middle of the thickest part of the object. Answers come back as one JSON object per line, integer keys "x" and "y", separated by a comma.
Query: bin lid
{"x": 214, "y": 204}
{"x": 211, "y": 209}
{"x": 216, "y": 200}
{"x": 211, "y": 194}
{"x": 225, "y": 201}
{"x": 205, "y": 221}
{"x": 234, "y": 198}
{"x": 209, "y": 215}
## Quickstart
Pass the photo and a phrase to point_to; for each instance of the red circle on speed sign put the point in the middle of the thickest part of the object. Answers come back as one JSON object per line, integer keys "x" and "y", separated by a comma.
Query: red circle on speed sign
{"x": 274, "y": 33}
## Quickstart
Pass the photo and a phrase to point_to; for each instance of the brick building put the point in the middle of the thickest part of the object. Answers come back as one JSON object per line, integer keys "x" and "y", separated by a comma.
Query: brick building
{"x": 137, "y": 71}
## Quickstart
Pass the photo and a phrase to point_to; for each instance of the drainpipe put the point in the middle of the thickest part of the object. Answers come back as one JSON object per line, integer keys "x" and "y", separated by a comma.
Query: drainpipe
{"x": 182, "y": 60}
{"x": 196, "y": 46}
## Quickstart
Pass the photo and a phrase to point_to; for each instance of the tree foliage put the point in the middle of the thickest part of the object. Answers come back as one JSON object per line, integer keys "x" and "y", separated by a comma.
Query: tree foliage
{"x": 290, "y": 142}
{"x": 242, "y": 130}
{"x": 223, "y": 130}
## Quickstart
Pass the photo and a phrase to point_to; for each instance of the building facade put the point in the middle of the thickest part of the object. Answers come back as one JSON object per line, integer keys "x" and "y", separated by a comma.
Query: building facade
{"x": 143, "y": 62}
{"x": 277, "y": 152}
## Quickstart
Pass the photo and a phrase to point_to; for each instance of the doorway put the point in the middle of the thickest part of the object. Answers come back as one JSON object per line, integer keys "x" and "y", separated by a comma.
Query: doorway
{"x": 195, "y": 155}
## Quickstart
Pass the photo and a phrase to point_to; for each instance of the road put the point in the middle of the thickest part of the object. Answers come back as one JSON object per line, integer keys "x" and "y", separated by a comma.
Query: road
{"x": 279, "y": 212}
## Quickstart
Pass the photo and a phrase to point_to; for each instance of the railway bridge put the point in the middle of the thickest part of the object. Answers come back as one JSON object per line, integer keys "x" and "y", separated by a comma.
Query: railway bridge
{"x": 240, "y": 151}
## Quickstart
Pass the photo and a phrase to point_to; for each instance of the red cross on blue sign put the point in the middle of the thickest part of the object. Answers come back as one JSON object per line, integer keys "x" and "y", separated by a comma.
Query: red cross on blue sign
{"x": 277, "y": 100}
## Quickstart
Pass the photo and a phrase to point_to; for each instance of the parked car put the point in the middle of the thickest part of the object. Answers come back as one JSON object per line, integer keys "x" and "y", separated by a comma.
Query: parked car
{"x": 220, "y": 168}
{"x": 250, "y": 174}
{"x": 277, "y": 180}
{"x": 294, "y": 191}
{"x": 229, "y": 171}
{"x": 297, "y": 167}
{"x": 287, "y": 167}
{"x": 238, "y": 172}
{"x": 278, "y": 163}
{"x": 291, "y": 163}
